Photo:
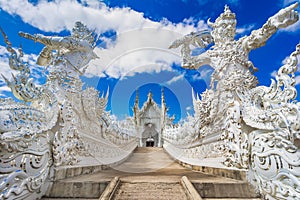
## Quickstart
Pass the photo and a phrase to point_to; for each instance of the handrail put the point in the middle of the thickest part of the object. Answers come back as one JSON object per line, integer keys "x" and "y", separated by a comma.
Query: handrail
{"x": 110, "y": 189}
{"x": 189, "y": 189}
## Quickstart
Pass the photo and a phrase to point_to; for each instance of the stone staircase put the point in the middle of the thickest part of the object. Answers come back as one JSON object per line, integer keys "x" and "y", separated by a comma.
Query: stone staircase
{"x": 150, "y": 174}
{"x": 150, "y": 191}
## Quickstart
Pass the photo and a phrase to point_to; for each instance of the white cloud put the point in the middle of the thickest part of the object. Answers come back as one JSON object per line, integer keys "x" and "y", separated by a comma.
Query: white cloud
{"x": 57, "y": 15}
{"x": 244, "y": 29}
{"x": 204, "y": 74}
{"x": 141, "y": 44}
{"x": 5, "y": 70}
{"x": 4, "y": 88}
{"x": 142, "y": 50}
{"x": 175, "y": 79}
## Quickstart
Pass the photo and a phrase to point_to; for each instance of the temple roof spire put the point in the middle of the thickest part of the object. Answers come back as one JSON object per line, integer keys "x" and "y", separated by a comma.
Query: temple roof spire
{"x": 150, "y": 96}
{"x": 136, "y": 103}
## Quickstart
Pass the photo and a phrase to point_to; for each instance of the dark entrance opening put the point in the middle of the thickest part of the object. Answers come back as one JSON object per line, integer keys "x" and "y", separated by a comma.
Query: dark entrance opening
{"x": 150, "y": 142}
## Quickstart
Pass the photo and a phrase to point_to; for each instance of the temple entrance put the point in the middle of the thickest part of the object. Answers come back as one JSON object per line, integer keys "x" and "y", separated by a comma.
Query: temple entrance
{"x": 150, "y": 135}
{"x": 150, "y": 121}
{"x": 150, "y": 142}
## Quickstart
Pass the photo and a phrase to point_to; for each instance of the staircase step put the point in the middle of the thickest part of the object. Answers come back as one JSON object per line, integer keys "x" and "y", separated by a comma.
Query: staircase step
{"x": 82, "y": 190}
{"x": 150, "y": 191}
{"x": 146, "y": 177}
{"x": 225, "y": 190}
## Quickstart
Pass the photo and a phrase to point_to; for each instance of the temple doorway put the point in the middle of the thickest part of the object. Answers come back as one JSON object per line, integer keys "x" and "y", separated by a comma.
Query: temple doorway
{"x": 150, "y": 142}
{"x": 150, "y": 135}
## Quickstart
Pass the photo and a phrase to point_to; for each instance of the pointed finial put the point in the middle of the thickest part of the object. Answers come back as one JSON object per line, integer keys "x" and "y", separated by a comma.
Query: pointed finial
{"x": 15, "y": 79}
{"x": 150, "y": 94}
{"x": 137, "y": 94}
{"x": 136, "y": 103}
{"x": 226, "y": 9}
{"x": 226, "y": 15}
{"x": 162, "y": 95}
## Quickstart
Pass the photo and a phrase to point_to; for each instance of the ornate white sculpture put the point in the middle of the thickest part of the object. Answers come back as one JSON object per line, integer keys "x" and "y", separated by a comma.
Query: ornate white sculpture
{"x": 66, "y": 57}
{"x": 59, "y": 120}
{"x": 240, "y": 121}
{"x": 275, "y": 155}
{"x": 25, "y": 134}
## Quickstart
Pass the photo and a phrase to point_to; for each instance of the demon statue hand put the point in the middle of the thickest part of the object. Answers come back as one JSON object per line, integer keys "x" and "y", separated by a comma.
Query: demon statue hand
{"x": 199, "y": 39}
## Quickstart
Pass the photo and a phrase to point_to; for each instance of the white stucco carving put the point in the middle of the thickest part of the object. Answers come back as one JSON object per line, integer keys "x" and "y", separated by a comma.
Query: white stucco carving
{"x": 57, "y": 120}
{"x": 253, "y": 128}
{"x": 275, "y": 156}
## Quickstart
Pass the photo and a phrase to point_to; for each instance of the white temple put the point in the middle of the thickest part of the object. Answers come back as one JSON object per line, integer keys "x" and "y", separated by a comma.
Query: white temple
{"x": 150, "y": 121}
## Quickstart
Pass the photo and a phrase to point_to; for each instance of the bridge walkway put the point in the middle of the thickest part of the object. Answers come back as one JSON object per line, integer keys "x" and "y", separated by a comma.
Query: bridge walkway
{"x": 150, "y": 173}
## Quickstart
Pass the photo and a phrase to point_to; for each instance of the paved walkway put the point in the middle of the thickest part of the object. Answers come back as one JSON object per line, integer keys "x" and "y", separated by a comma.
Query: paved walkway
{"x": 150, "y": 170}
{"x": 149, "y": 164}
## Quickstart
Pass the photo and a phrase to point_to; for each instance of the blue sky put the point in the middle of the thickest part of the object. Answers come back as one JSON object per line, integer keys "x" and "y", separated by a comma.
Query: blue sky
{"x": 135, "y": 35}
